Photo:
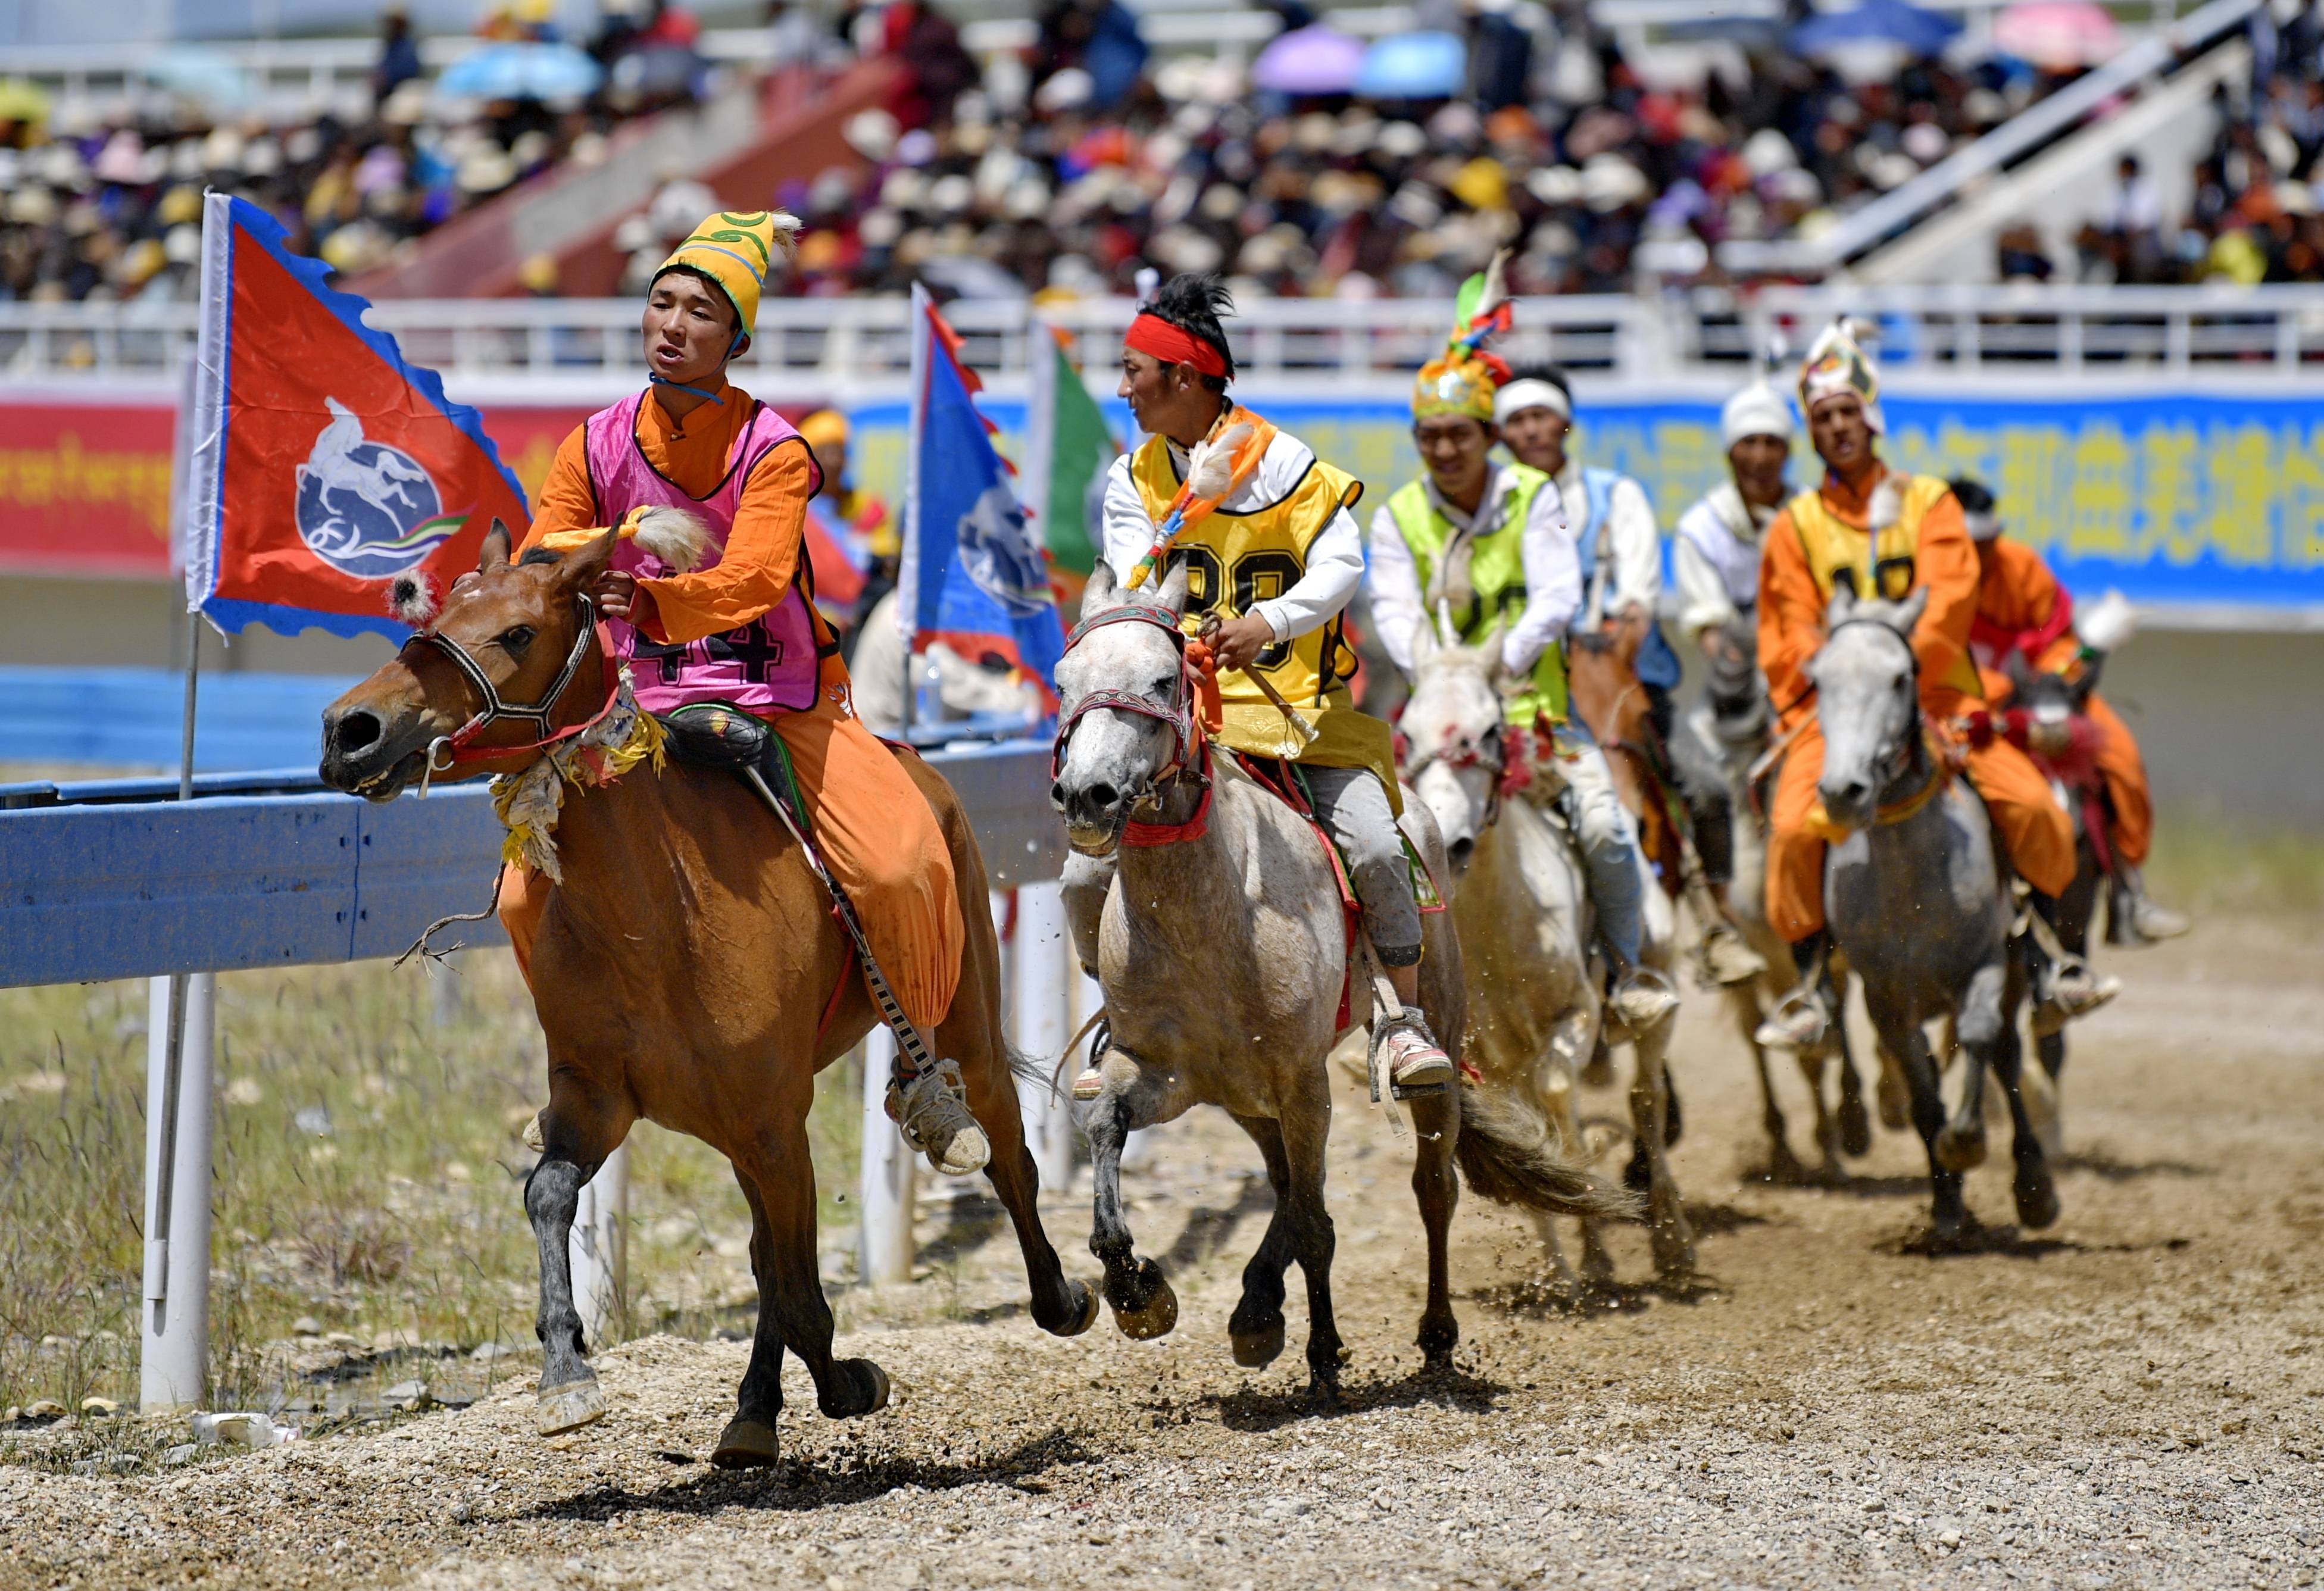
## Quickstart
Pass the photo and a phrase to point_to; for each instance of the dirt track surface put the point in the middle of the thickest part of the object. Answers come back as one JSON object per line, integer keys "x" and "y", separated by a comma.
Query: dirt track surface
{"x": 2135, "y": 1397}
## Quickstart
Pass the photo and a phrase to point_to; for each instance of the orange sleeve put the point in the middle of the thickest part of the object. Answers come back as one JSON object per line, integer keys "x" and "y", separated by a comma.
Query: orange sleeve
{"x": 1790, "y": 615}
{"x": 567, "y": 501}
{"x": 1945, "y": 560}
{"x": 761, "y": 560}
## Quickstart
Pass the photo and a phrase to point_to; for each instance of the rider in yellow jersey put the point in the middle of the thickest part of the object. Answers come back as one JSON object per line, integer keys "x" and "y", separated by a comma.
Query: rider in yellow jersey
{"x": 1276, "y": 561}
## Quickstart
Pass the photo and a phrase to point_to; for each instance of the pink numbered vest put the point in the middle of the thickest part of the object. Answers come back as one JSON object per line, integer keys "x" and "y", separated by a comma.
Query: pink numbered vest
{"x": 767, "y": 666}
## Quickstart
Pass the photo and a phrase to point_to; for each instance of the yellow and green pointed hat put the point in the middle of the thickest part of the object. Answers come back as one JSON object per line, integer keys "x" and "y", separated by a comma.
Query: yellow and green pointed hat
{"x": 737, "y": 249}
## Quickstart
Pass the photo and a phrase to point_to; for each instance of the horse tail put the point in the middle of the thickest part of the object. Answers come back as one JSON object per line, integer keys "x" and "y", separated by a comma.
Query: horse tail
{"x": 1506, "y": 1154}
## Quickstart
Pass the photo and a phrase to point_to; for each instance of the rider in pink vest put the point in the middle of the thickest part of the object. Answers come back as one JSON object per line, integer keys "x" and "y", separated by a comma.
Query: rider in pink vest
{"x": 742, "y": 627}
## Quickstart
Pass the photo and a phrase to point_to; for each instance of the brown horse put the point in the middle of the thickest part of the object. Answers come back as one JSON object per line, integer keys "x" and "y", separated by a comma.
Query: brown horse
{"x": 681, "y": 973}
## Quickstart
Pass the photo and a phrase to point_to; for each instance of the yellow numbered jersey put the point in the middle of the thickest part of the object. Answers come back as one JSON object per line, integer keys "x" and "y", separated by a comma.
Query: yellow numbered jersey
{"x": 1235, "y": 561}
{"x": 1883, "y": 566}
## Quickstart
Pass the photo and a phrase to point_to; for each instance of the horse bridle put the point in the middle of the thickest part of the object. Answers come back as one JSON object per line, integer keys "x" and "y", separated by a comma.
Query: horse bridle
{"x": 447, "y": 751}
{"x": 1895, "y": 763}
{"x": 1187, "y": 742}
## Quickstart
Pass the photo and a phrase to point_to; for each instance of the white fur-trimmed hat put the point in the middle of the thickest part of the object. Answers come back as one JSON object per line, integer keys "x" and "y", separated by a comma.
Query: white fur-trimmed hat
{"x": 1757, "y": 411}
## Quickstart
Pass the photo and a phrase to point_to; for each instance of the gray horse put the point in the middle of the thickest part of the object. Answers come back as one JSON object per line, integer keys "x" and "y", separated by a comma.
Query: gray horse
{"x": 1734, "y": 725}
{"x": 1223, "y": 953}
{"x": 1917, "y": 900}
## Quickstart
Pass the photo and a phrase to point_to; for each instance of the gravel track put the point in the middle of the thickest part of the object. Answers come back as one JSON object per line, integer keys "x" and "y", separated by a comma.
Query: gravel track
{"x": 2135, "y": 1397}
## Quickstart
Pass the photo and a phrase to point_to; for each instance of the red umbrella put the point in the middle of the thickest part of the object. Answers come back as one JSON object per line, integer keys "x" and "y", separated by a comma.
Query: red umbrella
{"x": 2057, "y": 33}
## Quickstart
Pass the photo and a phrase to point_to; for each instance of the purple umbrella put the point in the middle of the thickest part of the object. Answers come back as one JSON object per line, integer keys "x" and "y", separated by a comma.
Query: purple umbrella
{"x": 1311, "y": 60}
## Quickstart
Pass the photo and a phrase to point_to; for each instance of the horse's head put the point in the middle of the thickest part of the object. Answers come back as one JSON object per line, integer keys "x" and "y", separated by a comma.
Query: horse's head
{"x": 1601, "y": 673}
{"x": 1454, "y": 746}
{"x": 1867, "y": 701}
{"x": 523, "y": 625}
{"x": 1126, "y": 708}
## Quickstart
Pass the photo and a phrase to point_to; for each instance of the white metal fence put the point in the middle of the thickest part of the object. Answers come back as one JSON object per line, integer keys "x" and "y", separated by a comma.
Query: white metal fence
{"x": 2275, "y": 329}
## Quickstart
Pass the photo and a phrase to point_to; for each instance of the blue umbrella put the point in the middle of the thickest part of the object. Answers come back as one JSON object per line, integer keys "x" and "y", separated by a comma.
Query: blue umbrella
{"x": 1414, "y": 66}
{"x": 1876, "y": 21}
{"x": 522, "y": 72}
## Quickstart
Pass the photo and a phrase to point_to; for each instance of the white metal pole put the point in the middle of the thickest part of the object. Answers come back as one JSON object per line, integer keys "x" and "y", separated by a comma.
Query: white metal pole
{"x": 174, "y": 1324}
{"x": 1043, "y": 1023}
{"x": 887, "y": 1185}
{"x": 600, "y": 1247}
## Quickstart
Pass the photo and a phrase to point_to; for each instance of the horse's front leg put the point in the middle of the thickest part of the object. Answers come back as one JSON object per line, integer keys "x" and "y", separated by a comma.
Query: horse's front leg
{"x": 1142, "y": 1303}
{"x": 1256, "y": 1330}
{"x": 1650, "y": 1107}
{"x": 1782, "y": 1166}
{"x": 584, "y": 1123}
{"x": 1854, "y": 1122}
{"x": 749, "y": 1440}
{"x": 1961, "y": 1144}
{"x": 1306, "y": 1124}
{"x": 776, "y": 1164}
{"x": 1988, "y": 1027}
{"x": 1903, "y": 1040}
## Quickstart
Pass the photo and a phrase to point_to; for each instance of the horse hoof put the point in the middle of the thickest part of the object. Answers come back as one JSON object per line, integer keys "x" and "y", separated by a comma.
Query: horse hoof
{"x": 1155, "y": 1316}
{"x": 744, "y": 1444}
{"x": 2037, "y": 1198}
{"x": 1959, "y": 1151}
{"x": 1855, "y": 1128}
{"x": 874, "y": 1376}
{"x": 1256, "y": 1349}
{"x": 569, "y": 1407}
{"x": 1084, "y": 1310}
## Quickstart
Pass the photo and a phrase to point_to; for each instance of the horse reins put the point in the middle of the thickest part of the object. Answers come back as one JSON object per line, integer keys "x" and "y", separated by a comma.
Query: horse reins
{"x": 446, "y": 752}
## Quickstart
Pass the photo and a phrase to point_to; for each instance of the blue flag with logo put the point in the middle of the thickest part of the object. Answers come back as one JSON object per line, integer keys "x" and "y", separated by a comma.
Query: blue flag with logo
{"x": 972, "y": 575}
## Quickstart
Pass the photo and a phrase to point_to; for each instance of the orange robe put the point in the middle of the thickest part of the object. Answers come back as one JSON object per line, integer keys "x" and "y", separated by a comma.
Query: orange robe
{"x": 878, "y": 835}
{"x": 2033, "y": 827}
{"x": 2018, "y": 597}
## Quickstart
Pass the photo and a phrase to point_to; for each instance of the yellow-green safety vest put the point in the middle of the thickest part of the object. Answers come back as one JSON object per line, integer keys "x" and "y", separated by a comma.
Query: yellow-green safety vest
{"x": 1496, "y": 579}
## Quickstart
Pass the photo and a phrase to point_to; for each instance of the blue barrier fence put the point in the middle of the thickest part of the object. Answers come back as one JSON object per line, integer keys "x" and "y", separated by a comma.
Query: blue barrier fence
{"x": 130, "y": 717}
{"x": 99, "y": 883}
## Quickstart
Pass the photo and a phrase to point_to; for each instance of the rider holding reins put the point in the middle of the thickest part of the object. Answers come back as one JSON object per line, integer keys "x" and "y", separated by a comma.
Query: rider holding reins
{"x": 2023, "y": 612}
{"x": 1276, "y": 561}
{"x": 1486, "y": 544}
{"x": 740, "y": 629}
{"x": 1886, "y": 534}
{"x": 1621, "y": 555}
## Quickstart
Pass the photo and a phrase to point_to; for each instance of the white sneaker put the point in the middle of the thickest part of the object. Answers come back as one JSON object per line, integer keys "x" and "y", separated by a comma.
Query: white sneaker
{"x": 1415, "y": 1060}
{"x": 1798, "y": 1023}
{"x": 1642, "y": 998}
{"x": 931, "y": 1112}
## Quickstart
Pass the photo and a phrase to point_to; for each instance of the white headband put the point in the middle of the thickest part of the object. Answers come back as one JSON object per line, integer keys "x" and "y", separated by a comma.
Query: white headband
{"x": 1519, "y": 395}
{"x": 1982, "y": 526}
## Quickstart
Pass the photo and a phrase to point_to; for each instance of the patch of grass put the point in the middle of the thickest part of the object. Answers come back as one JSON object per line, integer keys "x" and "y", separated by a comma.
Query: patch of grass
{"x": 2209, "y": 864}
{"x": 368, "y": 1170}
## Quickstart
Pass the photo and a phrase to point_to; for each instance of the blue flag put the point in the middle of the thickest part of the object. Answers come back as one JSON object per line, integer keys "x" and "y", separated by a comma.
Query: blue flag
{"x": 972, "y": 575}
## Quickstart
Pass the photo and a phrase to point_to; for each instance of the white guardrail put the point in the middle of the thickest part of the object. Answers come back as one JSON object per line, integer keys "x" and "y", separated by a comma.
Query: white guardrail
{"x": 2218, "y": 330}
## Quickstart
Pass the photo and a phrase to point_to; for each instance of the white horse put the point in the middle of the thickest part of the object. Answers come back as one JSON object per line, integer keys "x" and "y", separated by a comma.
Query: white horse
{"x": 1223, "y": 952}
{"x": 1523, "y": 910}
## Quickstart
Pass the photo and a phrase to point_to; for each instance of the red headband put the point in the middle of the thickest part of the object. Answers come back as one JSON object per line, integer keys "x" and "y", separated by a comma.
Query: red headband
{"x": 1150, "y": 333}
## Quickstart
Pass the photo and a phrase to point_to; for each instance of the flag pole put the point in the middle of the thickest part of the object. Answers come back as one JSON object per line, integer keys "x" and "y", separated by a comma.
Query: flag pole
{"x": 908, "y": 571}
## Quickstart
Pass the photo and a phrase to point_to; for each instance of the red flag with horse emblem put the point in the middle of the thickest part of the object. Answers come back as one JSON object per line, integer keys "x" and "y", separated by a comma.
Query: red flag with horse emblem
{"x": 324, "y": 466}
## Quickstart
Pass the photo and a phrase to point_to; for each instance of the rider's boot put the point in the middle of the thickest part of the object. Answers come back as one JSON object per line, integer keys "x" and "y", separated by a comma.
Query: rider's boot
{"x": 2063, "y": 988}
{"x": 1415, "y": 1060}
{"x": 1727, "y": 956}
{"x": 2134, "y": 916}
{"x": 1800, "y": 1017}
{"x": 930, "y": 1110}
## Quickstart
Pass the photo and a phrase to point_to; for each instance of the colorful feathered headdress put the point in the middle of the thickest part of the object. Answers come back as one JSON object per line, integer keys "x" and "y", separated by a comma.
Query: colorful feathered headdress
{"x": 1837, "y": 363}
{"x": 1463, "y": 379}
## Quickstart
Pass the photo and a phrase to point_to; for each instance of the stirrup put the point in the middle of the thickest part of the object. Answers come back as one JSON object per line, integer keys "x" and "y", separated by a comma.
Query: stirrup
{"x": 931, "y": 1112}
{"x": 1090, "y": 1081}
{"x": 2084, "y": 992}
{"x": 1642, "y": 998}
{"x": 1727, "y": 957}
{"x": 1414, "y": 1060}
{"x": 1799, "y": 1021}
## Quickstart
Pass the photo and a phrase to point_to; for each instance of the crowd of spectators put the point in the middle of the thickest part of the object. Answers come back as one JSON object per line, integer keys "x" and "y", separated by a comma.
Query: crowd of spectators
{"x": 1066, "y": 167}
{"x": 112, "y": 208}
{"x": 2256, "y": 210}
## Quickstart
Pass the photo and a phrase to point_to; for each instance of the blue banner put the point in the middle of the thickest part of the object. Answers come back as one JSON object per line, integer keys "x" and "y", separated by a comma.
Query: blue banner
{"x": 2191, "y": 499}
{"x": 977, "y": 582}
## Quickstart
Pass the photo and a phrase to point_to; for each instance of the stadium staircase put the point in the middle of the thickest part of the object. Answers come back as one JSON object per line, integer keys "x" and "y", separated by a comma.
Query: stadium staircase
{"x": 744, "y": 144}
